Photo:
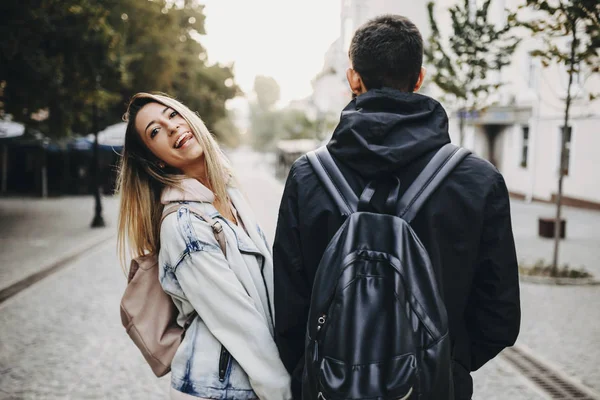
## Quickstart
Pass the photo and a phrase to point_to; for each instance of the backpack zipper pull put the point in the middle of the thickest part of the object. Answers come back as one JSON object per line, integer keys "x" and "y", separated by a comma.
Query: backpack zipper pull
{"x": 321, "y": 322}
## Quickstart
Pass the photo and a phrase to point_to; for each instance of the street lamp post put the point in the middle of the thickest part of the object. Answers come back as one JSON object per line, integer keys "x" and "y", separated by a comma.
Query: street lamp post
{"x": 98, "y": 221}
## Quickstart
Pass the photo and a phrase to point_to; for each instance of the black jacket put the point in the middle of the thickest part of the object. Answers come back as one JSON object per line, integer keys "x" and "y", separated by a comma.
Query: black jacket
{"x": 465, "y": 226}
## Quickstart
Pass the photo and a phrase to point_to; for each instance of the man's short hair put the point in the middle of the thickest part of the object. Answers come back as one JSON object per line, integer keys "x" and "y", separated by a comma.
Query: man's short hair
{"x": 387, "y": 51}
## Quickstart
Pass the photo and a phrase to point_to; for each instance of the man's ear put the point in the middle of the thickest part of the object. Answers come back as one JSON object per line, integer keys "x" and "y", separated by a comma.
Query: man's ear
{"x": 420, "y": 80}
{"x": 355, "y": 81}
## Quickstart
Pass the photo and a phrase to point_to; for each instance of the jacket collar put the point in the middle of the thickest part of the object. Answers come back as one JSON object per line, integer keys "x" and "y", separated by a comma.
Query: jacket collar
{"x": 190, "y": 190}
{"x": 194, "y": 191}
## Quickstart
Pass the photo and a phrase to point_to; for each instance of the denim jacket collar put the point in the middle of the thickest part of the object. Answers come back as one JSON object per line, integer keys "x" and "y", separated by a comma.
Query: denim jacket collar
{"x": 191, "y": 190}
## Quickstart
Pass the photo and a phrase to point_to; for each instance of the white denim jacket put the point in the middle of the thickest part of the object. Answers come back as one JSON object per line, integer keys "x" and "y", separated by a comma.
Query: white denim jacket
{"x": 228, "y": 351}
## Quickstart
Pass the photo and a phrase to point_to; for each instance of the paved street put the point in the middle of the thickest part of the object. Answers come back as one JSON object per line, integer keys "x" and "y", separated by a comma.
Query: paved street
{"x": 37, "y": 232}
{"x": 62, "y": 338}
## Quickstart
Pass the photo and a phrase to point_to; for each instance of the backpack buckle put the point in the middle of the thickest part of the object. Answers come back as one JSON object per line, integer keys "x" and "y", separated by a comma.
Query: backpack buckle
{"x": 217, "y": 227}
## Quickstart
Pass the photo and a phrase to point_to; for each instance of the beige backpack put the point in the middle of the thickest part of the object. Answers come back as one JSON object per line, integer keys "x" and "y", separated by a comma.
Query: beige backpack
{"x": 148, "y": 313}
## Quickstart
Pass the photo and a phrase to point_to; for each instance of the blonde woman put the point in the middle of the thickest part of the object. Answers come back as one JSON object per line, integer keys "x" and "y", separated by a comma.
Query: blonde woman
{"x": 169, "y": 157}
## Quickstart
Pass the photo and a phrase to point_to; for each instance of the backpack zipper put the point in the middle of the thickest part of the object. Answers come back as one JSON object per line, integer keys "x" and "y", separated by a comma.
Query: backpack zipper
{"x": 321, "y": 321}
{"x": 224, "y": 360}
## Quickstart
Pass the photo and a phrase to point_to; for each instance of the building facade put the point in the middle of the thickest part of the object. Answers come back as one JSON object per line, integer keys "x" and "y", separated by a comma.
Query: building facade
{"x": 520, "y": 130}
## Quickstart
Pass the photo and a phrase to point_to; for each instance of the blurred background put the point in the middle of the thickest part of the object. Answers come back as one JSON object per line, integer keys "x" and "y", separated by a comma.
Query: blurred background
{"x": 519, "y": 80}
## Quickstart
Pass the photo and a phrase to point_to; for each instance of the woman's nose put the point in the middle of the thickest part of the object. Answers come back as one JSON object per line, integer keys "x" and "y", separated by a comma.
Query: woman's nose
{"x": 173, "y": 128}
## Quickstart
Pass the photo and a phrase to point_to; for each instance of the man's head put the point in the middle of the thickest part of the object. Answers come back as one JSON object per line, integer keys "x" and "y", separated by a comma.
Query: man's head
{"x": 387, "y": 51}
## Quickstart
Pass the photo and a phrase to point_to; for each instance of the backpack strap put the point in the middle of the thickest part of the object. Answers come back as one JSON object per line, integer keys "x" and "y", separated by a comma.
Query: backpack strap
{"x": 215, "y": 225}
{"x": 442, "y": 163}
{"x": 217, "y": 231}
{"x": 330, "y": 175}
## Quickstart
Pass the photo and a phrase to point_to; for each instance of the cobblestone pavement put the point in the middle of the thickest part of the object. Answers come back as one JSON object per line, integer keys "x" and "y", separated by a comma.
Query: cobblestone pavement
{"x": 579, "y": 249}
{"x": 37, "y": 232}
{"x": 496, "y": 380}
{"x": 561, "y": 325}
{"x": 62, "y": 338}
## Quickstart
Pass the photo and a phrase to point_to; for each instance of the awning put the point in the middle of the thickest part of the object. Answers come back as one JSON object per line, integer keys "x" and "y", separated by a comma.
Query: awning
{"x": 9, "y": 129}
{"x": 113, "y": 137}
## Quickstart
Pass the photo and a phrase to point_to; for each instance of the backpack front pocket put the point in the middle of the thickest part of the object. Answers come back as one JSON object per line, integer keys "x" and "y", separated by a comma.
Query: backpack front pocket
{"x": 392, "y": 379}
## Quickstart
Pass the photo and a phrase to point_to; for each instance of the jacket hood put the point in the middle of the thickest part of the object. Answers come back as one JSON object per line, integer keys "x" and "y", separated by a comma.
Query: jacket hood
{"x": 190, "y": 190}
{"x": 383, "y": 130}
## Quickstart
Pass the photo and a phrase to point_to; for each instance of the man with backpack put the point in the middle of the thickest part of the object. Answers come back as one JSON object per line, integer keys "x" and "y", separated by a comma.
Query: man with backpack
{"x": 395, "y": 265}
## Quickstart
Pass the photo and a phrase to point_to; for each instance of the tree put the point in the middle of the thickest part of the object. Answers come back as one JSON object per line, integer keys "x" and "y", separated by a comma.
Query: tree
{"x": 265, "y": 122}
{"x": 228, "y": 131}
{"x": 475, "y": 47}
{"x": 162, "y": 52}
{"x": 579, "y": 21}
{"x": 81, "y": 60}
{"x": 51, "y": 55}
{"x": 53, "y": 51}
{"x": 267, "y": 92}
{"x": 297, "y": 125}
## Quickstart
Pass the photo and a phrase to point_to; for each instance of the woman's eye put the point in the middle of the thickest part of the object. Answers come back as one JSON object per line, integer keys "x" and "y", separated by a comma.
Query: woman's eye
{"x": 173, "y": 114}
{"x": 153, "y": 133}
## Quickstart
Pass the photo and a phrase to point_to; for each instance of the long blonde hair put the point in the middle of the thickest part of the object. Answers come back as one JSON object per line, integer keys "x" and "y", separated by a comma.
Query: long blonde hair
{"x": 141, "y": 181}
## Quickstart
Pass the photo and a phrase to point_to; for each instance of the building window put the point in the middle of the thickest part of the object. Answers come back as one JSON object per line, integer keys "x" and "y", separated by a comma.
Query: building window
{"x": 567, "y": 148}
{"x": 524, "y": 145}
{"x": 531, "y": 71}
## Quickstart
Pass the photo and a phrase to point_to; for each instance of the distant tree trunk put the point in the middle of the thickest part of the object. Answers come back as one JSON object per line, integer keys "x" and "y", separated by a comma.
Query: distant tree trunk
{"x": 44, "y": 172}
{"x": 98, "y": 221}
{"x": 4, "y": 168}
{"x": 563, "y": 142}
{"x": 461, "y": 126}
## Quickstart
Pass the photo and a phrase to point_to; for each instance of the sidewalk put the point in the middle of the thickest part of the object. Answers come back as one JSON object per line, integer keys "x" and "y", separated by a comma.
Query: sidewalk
{"x": 495, "y": 381}
{"x": 36, "y": 233}
{"x": 559, "y": 324}
{"x": 580, "y": 246}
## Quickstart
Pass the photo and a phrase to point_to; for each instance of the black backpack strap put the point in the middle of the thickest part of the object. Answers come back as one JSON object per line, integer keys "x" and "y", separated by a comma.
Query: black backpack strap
{"x": 333, "y": 180}
{"x": 442, "y": 163}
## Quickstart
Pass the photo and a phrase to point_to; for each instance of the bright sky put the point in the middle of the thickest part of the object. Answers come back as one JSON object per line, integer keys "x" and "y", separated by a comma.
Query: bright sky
{"x": 284, "y": 39}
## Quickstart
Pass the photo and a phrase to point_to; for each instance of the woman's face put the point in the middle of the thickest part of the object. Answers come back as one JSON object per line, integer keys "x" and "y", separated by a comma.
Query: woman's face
{"x": 168, "y": 136}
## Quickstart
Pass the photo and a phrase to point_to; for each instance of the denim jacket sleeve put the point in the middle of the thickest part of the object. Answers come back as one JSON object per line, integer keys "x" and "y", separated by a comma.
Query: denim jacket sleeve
{"x": 229, "y": 313}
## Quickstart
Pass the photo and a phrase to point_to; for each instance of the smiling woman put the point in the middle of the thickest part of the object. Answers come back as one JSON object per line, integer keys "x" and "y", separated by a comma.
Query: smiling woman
{"x": 150, "y": 162}
{"x": 177, "y": 192}
{"x": 169, "y": 137}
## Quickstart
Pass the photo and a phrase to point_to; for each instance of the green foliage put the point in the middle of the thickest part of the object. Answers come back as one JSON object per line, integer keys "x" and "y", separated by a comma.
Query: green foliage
{"x": 267, "y": 92}
{"x": 227, "y": 131}
{"x": 51, "y": 56}
{"x": 475, "y": 47}
{"x": 542, "y": 268}
{"x": 65, "y": 55}
{"x": 574, "y": 19}
{"x": 297, "y": 125}
{"x": 265, "y": 127}
{"x": 268, "y": 125}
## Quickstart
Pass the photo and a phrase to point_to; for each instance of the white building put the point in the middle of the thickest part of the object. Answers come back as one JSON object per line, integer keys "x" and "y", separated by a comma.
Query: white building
{"x": 330, "y": 88}
{"x": 524, "y": 118}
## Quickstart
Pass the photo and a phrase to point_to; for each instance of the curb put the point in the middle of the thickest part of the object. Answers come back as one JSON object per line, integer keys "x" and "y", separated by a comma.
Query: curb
{"x": 55, "y": 266}
{"x": 546, "y": 280}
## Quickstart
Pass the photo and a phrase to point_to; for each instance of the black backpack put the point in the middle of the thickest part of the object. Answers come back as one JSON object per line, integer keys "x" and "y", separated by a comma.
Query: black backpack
{"x": 377, "y": 326}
